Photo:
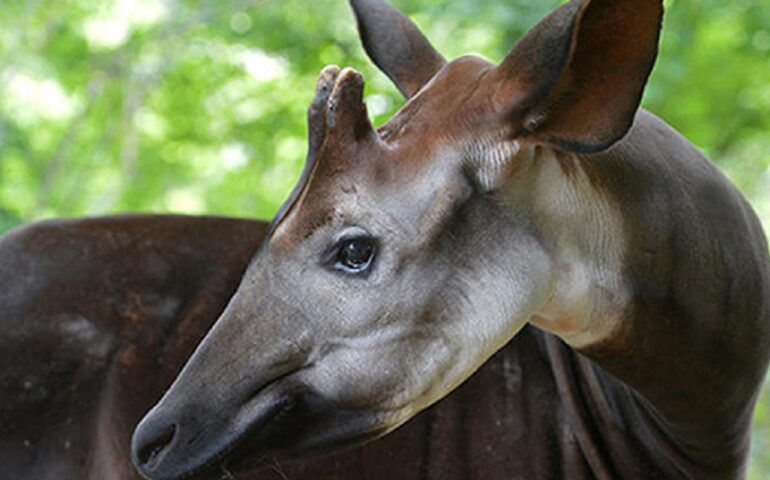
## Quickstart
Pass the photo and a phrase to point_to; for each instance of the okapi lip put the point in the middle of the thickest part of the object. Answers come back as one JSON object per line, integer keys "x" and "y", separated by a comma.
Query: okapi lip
{"x": 271, "y": 414}
{"x": 251, "y": 453}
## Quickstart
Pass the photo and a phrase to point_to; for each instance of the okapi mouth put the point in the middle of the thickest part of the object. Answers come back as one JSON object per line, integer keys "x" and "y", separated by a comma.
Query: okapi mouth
{"x": 239, "y": 454}
{"x": 184, "y": 443}
{"x": 281, "y": 420}
{"x": 308, "y": 427}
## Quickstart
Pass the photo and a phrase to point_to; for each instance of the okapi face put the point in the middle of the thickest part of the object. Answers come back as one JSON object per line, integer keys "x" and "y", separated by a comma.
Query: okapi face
{"x": 397, "y": 267}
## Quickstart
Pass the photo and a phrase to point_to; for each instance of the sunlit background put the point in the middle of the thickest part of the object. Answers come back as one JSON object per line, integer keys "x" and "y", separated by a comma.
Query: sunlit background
{"x": 198, "y": 106}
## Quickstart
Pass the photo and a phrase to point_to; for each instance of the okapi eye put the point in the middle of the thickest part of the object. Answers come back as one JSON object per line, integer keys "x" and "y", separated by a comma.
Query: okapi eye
{"x": 355, "y": 255}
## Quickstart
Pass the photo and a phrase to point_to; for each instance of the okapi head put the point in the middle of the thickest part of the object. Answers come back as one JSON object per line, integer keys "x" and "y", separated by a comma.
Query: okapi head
{"x": 403, "y": 260}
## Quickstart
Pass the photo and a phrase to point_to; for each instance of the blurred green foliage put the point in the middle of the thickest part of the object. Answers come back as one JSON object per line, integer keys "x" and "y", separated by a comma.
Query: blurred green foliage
{"x": 198, "y": 106}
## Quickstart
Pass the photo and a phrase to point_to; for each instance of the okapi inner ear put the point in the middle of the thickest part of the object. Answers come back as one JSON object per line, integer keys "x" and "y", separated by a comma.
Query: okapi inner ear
{"x": 576, "y": 80}
{"x": 396, "y": 45}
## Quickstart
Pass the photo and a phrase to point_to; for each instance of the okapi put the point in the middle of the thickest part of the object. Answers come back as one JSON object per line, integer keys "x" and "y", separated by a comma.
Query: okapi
{"x": 529, "y": 212}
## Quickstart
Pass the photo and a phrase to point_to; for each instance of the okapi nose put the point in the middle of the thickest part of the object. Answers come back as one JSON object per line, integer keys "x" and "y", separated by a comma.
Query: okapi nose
{"x": 150, "y": 443}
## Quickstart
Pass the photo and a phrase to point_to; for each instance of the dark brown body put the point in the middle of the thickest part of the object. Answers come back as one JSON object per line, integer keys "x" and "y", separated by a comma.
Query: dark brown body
{"x": 99, "y": 315}
{"x": 96, "y": 318}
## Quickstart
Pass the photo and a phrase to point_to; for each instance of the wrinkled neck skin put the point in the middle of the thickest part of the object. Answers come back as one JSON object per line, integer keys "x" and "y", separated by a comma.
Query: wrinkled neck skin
{"x": 659, "y": 275}
{"x": 583, "y": 233}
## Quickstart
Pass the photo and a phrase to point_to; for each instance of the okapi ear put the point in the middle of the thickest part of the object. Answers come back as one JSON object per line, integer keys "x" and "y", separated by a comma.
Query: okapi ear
{"x": 576, "y": 80}
{"x": 396, "y": 45}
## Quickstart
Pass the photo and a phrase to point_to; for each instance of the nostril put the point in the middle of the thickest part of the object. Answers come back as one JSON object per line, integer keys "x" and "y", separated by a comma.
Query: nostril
{"x": 151, "y": 449}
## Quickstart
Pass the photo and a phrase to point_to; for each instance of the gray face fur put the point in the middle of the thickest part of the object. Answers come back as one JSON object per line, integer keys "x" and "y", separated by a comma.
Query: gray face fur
{"x": 356, "y": 355}
{"x": 350, "y": 356}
